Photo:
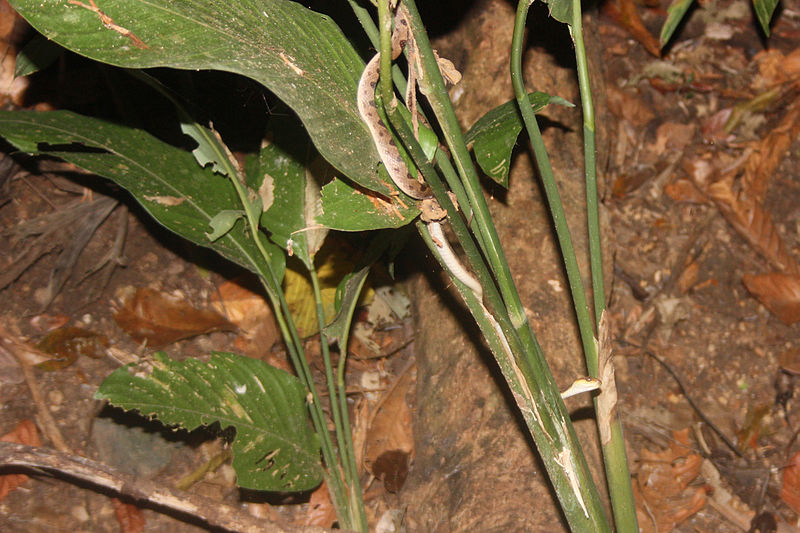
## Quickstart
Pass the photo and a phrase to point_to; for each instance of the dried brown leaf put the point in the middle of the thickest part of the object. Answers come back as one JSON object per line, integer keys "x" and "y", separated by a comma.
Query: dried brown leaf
{"x": 751, "y": 221}
{"x": 607, "y": 399}
{"x": 673, "y": 137}
{"x": 778, "y": 292}
{"x": 623, "y": 12}
{"x": 129, "y": 517}
{"x": 713, "y": 127}
{"x": 390, "y": 439}
{"x": 249, "y": 311}
{"x": 320, "y": 508}
{"x": 768, "y": 153}
{"x": 628, "y": 106}
{"x": 683, "y": 190}
{"x": 24, "y": 433}
{"x": 789, "y": 361}
{"x": 790, "y": 489}
{"x": 775, "y": 68}
{"x": 161, "y": 319}
{"x": 67, "y": 344}
{"x": 663, "y": 497}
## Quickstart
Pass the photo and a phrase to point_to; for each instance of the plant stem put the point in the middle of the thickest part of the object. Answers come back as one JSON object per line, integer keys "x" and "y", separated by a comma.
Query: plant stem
{"x": 615, "y": 457}
{"x": 433, "y": 87}
{"x": 513, "y": 344}
{"x": 294, "y": 344}
{"x": 355, "y": 505}
{"x": 551, "y": 193}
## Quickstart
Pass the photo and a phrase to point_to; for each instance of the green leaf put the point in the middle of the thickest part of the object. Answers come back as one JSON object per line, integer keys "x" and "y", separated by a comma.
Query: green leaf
{"x": 165, "y": 180}
{"x": 223, "y": 222}
{"x": 348, "y": 208}
{"x": 284, "y": 174}
{"x": 38, "y": 54}
{"x": 494, "y": 135}
{"x": 561, "y": 10}
{"x": 764, "y": 10}
{"x": 347, "y": 295}
{"x": 300, "y": 55}
{"x": 675, "y": 13}
{"x": 275, "y": 448}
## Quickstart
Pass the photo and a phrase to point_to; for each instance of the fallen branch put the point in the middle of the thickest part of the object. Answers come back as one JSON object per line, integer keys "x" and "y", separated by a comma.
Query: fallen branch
{"x": 213, "y": 513}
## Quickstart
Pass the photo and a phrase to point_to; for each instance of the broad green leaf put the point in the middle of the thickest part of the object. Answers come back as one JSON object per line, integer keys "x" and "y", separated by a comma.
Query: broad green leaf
{"x": 675, "y": 13}
{"x": 300, "y": 55}
{"x": 285, "y": 174}
{"x": 275, "y": 447}
{"x": 167, "y": 181}
{"x": 348, "y": 208}
{"x": 764, "y": 10}
{"x": 494, "y": 135}
{"x": 38, "y": 54}
{"x": 561, "y": 10}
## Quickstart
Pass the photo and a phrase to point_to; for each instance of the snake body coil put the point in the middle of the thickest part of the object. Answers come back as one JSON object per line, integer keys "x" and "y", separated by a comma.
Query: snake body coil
{"x": 390, "y": 155}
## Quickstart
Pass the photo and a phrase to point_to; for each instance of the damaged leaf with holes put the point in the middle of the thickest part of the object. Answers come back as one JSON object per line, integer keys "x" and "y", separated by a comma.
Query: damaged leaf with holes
{"x": 275, "y": 447}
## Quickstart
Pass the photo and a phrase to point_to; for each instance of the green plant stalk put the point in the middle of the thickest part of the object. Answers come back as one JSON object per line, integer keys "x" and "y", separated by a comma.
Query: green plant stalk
{"x": 550, "y": 428}
{"x": 551, "y": 192}
{"x": 294, "y": 345}
{"x": 272, "y": 286}
{"x": 545, "y": 415}
{"x": 433, "y": 87}
{"x": 357, "y": 518}
{"x": 615, "y": 458}
{"x": 354, "y": 481}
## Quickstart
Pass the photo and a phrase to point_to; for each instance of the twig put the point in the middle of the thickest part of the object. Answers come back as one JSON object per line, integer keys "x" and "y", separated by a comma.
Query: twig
{"x": 46, "y": 421}
{"x": 213, "y": 513}
{"x": 689, "y": 398}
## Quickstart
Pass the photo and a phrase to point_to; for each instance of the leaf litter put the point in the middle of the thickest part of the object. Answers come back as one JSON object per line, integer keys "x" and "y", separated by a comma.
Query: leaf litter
{"x": 651, "y": 155}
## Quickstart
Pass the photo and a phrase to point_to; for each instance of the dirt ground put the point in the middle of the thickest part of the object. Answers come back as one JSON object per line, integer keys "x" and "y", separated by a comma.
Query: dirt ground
{"x": 701, "y": 195}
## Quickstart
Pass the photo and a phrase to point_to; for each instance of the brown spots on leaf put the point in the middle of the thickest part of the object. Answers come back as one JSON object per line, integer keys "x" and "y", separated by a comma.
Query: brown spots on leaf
{"x": 109, "y": 23}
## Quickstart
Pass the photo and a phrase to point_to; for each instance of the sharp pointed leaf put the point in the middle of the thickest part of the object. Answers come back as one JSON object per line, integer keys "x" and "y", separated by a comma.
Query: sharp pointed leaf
{"x": 495, "y": 134}
{"x": 675, "y": 13}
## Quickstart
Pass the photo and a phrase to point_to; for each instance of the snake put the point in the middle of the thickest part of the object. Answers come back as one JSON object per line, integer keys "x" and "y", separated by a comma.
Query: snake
{"x": 393, "y": 161}
{"x": 368, "y": 109}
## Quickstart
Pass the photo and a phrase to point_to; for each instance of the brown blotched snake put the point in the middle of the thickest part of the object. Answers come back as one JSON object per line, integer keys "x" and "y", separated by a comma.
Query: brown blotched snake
{"x": 393, "y": 161}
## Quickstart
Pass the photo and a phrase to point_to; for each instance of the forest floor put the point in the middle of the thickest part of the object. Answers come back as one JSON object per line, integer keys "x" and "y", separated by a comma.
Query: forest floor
{"x": 703, "y": 197}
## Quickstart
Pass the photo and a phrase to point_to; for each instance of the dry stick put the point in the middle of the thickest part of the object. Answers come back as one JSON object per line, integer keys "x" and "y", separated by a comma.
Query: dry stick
{"x": 46, "y": 421}
{"x": 213, "y": 513}
{"x": 689, "y": 398}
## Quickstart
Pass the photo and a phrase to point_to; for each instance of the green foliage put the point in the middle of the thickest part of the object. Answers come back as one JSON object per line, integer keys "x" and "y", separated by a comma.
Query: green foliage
{"x": 275, "y": 448}
{"x": 494, "y": 135}
{"x": 764, "y": 10}
{"x": 300, "y": 55}
{"x": 39, "y": 53}
{"x": 677, "y": 10}
{"x": 165, "y": 180}
{"x": 347, "y": 209}
{"x": 675, "y": 13}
